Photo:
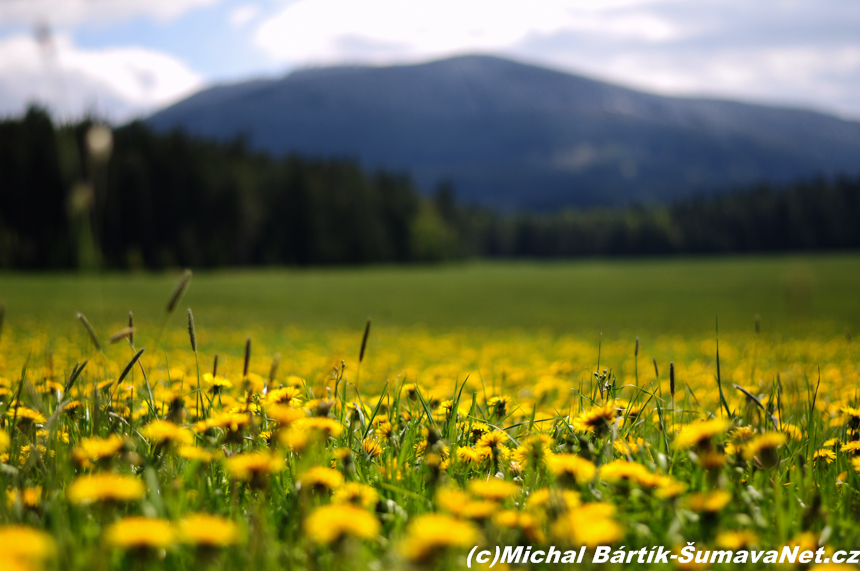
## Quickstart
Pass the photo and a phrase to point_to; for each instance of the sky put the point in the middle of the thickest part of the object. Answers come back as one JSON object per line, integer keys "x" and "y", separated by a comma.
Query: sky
{"x": 121, "y": 59}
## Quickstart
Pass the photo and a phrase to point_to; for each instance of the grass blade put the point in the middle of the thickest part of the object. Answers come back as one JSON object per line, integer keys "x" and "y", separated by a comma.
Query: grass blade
{"x": 90, "y": 331}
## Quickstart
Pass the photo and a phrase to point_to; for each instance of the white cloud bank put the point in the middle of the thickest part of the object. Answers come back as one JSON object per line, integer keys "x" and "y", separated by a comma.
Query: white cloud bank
{"x": 119, "y": 83}
{"x": 769, "y": 50}
{"x": 72, "y": 12}
{"x": 325, "y": 31}
{"x": 243, "y": 15}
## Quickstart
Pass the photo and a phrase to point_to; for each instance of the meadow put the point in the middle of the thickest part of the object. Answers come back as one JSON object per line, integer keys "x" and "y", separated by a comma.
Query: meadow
{"x": 569, "y": 404}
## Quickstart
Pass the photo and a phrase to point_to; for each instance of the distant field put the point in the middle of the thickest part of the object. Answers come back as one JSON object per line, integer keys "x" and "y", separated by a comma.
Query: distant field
{"x": 792, "y": 294}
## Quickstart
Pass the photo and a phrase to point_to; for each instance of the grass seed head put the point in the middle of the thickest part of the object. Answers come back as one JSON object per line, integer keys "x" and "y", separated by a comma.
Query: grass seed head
{"x": 273, "y": 371}
{"x": 180, "y": 289}
{"x": 247, "y": 357}
{"x": 124, "y": 333}
{"x": 192, "y": 332}
{"x": 90, "y": 331}
{"x": 672, "y": 378}
{"x": 364, "y": 341}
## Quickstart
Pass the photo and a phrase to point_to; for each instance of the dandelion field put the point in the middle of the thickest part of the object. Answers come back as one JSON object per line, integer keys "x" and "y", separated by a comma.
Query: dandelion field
{"x": 125, "y": 446}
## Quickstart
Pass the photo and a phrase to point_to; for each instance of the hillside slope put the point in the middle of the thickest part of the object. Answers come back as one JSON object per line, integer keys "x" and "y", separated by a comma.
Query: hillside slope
{"x": 514, "y": 135}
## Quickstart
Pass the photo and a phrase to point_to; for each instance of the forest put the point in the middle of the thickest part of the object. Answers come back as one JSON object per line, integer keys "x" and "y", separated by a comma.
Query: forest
{"x": 83, "y": 196}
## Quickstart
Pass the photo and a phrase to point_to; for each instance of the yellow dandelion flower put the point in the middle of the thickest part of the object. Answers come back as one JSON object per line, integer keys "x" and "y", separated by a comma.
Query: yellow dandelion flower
{"x": 528, "y": 523}
{"x": 791, "y": 431}
{"x": 852, "y": 447}
{"x": 371, "y": 447}
{"x": 25, "y": 545}
{"x": 216, "y": 384}
{"x": 699, "y": 434}
{"x": 571, "y": 467}
{"x": 284, "y": 396}
{"x": 90, "y": 451}
{"x": 429, "y": 534}
{"x": 559, "y": 500}
{"x": 623, "y": 470}
{"x": 28, "y": 497}
{"x": 443, "y": 411}
{"x": 285, "y": 415}
{"x": 629, "y": 447}
{"x": 208, "y": 530}
{"x": 320, "y": 478}
{"x": 195, "y": 453}
{"x": 498, "y": 406}
{"x": 160, "y": 431}
{"x": 492, "y": 440}
{"x": 73, "y": 407}
{"x": 805, "y": 540}
{"x": 855, "y": 463}
{"x": 229, "y": 421}
{"x": 26, "y": 416}
{"x": 831, "y": 443}
{"x": 4, "y": 441}
{"x": 328, "y": 427}
{"x": 589, "y": 524}
{"x": 294, "y": 440}
{"x": 105, "y": 488}
{"x": 473, "y": 430}
{"x": 24, "y": 453}
{"x": 451, "y": 500}
{"x": 140, "y": 532}
{"x": 356, "y": 493}
{"x": 494, "y": 489}
{"x": 851, "y": 412}
{"x": 710, "y": 502}
{"x": 669, "y": 488}
{"x": 254, "y": 465}
{"x": 333, "y": 522}
{"x": 479, "y": 510}
{"x": 533, "y": 451}
{"x": 764, "y": 447}
{"x": 469, "y": 455}
{"x": 382, "y": 428}
{"x": 824, "y": 455}
{"x": 741, "y": 434}
{"x": 104, "y": 385}
{"x": 596, "y": 419}
{"x": 735, "y": 540}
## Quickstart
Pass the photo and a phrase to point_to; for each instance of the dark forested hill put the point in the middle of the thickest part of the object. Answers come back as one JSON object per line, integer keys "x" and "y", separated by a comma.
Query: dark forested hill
{"x": 517, "y": 136}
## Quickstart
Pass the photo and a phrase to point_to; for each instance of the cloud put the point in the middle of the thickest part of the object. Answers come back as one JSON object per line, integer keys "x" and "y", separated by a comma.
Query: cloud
{"x": 321, "y": 31}
{"x": 769, "y": 50}
{"x": 243, "y": 15}
{"x": 72, "y": 12}
{"x": 115, "y": 82}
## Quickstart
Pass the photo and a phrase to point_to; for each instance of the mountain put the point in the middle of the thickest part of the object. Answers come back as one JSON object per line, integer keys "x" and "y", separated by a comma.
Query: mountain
{"x": 512, "y": 135}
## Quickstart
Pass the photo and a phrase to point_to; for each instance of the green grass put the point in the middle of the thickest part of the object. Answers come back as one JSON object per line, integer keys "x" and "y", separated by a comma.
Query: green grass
{"x": 560, "y": 429}
{"x": 671, "y": 296}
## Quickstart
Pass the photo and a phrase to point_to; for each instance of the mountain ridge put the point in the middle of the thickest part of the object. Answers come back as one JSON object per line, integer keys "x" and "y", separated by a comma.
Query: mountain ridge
{"x": 513, "y": 135}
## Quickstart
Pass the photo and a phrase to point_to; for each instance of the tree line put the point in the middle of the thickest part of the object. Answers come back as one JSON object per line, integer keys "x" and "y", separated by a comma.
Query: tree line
{"x": 83, "y": 196}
